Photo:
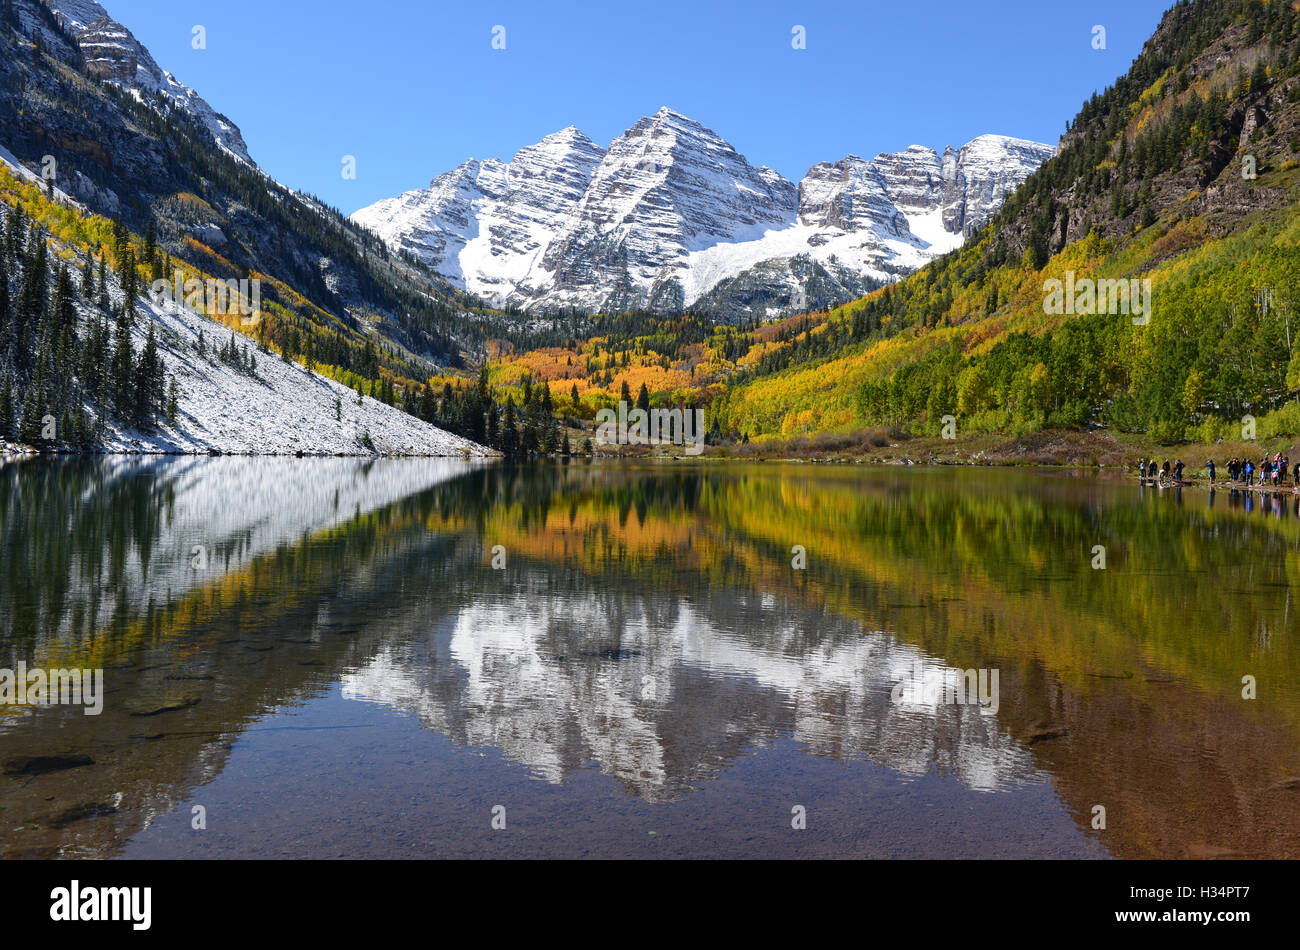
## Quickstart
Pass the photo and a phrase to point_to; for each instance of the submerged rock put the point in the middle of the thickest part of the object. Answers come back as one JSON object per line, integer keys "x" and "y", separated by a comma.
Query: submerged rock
{"x": 82, "y": 812}
{"x": 41, "y": 764}
{"x": 1041, "y": 733}
{"x": 154, "y": 707}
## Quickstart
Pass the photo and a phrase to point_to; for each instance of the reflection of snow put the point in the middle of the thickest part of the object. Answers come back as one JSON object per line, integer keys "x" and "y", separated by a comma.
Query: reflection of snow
{"x": 662, "y": 696}
{"x": 235, "y": 509}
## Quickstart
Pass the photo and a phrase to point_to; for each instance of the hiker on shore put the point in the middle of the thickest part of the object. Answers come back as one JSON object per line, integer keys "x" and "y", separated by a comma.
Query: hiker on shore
{"x": 1178, "y": 470}
{"x": 1234, "y": 465}
{"x": 1151, "y": 470}
{"x": 1209, "y": 463}
{"x": 1164, "y": 469}
{"x": 1249, "y": 472}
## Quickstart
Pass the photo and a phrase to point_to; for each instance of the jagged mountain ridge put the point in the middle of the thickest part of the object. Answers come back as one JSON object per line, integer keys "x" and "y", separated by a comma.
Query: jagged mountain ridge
{"x": 112, "y": 52}
{"x": 127, "y": 150}
{"x": 671, "y": 216}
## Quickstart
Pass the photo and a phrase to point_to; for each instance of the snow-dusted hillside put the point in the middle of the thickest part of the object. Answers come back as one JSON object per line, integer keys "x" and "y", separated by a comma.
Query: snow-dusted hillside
{"x": 283, "y": 409}
{"x": 671, "y": 211}
{"x": 280, "y": 408}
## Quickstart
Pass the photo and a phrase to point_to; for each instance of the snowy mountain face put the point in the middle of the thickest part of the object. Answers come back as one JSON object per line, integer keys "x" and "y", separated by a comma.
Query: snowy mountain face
{"x": 113, "y": 53}
{"x": 671, "y": 217}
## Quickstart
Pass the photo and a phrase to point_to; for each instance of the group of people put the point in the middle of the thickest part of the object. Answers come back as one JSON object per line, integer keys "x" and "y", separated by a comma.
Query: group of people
{"x": 1148, "y": 470}
{"x": 1269, "y": 471}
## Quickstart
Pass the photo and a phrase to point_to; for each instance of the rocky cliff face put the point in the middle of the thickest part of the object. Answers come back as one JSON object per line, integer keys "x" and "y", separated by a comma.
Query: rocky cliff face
{"x": 671, "y": 217}
{"x": 979, "y": 177}
{"x": 112, "y": 157}
{"x": 111, "y": 51}
{"x": 108, "y": 52}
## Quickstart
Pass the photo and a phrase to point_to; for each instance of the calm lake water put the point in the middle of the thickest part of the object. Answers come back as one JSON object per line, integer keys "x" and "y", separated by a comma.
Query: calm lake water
{"x": 318, "y": 658}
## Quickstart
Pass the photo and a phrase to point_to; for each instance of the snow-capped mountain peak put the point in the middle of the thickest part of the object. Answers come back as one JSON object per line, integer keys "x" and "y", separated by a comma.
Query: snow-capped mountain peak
{"x": 671, "y": 211}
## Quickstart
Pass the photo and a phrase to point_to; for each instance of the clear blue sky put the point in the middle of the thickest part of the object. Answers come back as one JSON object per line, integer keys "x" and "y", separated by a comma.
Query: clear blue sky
{"x": 413, "y": 87}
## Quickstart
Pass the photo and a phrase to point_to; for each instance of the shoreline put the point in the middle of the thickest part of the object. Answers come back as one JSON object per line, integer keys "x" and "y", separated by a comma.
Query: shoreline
{"x": 9, "y": 454}
{"x": 1050, "y": 449}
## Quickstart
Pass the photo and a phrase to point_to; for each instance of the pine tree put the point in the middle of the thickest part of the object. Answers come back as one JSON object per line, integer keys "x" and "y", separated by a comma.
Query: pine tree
{"x": 64, "y": 312}
{"x": 123, "y": 363}
{"x": 148, "y": 387}
{"x": 31, "y": 299}
{"x": 6, "y": 331}
{"x": 1259, "y": 77}
{"x": 7, "y": 408}
{"x": 509, "y": 433}
{"x": 17, "y": 228}
{"x": 643, "y": 398}
{"x": 29, "y": 427}
{"x": 172, "y": 408}
{"x": 130, "y": 279}
{"x": 87, "y": 279}
{"x": 119, "y": 243}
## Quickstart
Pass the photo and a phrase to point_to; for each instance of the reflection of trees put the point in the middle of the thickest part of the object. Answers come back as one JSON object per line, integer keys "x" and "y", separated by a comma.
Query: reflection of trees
{"x": 89, "y": 544}
{"x": 992, "y": 569}
{"x": 942, "y": 556}
{"x": 272, "y": 630}
{"x": 676, "y": 577}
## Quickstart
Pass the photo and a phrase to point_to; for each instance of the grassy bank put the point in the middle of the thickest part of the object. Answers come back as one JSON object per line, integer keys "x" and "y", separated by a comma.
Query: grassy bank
{"x": 1070, "y": 448}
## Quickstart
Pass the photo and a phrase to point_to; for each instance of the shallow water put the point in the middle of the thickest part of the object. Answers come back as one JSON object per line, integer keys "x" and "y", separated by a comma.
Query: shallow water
{"x": 318, "y": 659}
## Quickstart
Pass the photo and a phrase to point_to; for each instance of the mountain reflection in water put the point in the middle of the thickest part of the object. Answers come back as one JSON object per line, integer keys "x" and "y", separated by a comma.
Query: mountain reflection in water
{"x": 344, "y": 669}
